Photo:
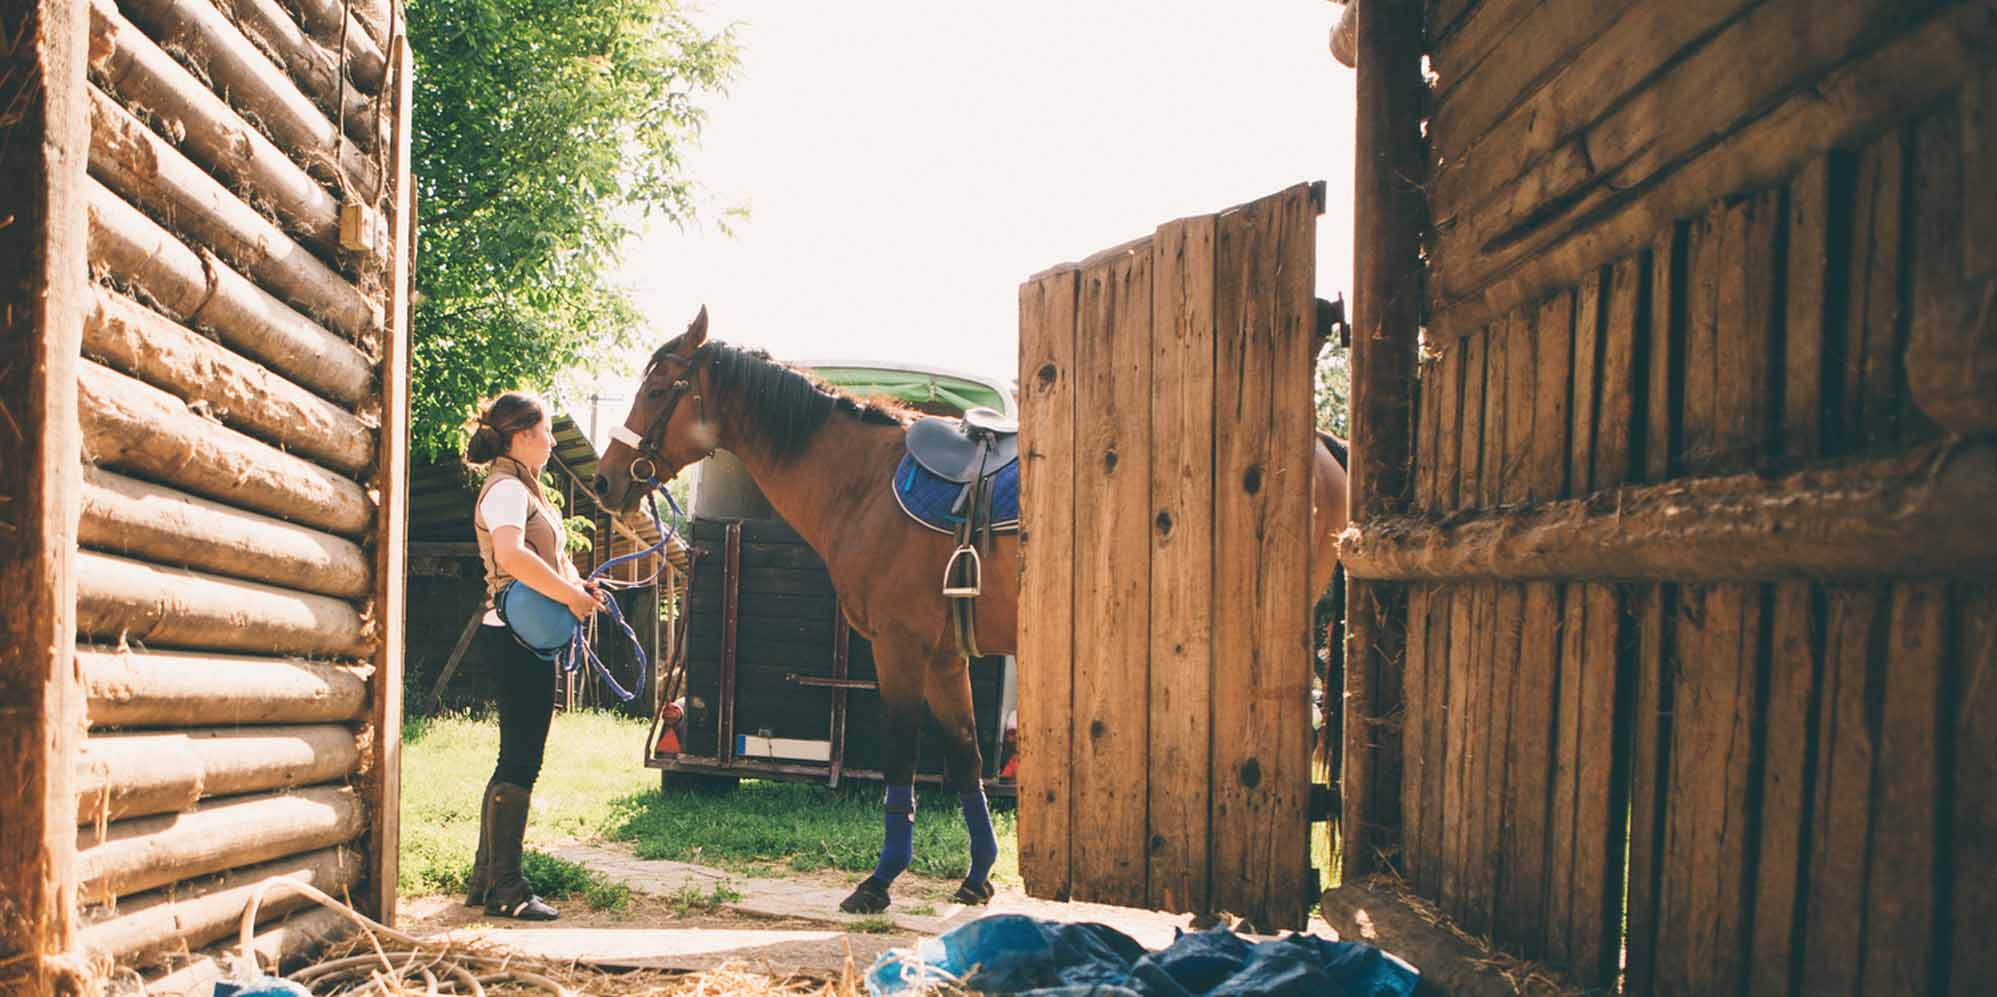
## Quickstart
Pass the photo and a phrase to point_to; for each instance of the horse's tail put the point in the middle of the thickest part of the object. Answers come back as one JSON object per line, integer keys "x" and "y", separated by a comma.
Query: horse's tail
{"x": 1339, "y": 451}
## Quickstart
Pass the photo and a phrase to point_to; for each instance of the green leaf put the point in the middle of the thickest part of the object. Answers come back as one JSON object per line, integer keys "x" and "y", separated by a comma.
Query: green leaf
{"x": 539, "y": 125}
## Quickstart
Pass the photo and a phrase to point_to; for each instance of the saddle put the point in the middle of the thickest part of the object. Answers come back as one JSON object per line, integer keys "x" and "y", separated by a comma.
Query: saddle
{"x": 978, "y": 447}
{"x": 969, "y": 452}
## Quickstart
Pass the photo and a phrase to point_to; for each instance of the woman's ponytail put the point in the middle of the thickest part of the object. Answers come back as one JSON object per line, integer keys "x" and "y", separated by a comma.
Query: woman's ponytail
{"x": 498, "y": 420}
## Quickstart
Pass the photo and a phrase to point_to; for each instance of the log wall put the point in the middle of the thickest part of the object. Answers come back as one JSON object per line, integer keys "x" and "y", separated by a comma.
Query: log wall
{"x": 229, "y": 584}
{"x": 1165, "y": 655}
{"x": 1698, "y": 566}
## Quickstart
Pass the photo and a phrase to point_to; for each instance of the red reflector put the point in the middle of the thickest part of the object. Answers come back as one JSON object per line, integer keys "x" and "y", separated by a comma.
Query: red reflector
{"x": 669, "y": 743}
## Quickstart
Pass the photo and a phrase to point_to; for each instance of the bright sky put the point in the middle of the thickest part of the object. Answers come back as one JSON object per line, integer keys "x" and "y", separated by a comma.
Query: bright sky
{"x": 907, "y": 164}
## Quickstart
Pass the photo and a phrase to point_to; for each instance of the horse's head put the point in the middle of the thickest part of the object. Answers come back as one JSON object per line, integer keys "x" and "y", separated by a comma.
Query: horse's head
{"x": 667, "y": 427}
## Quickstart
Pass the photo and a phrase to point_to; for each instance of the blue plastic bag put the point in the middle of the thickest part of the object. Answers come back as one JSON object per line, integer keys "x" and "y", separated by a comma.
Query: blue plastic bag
{"x": 1016, "y": 954}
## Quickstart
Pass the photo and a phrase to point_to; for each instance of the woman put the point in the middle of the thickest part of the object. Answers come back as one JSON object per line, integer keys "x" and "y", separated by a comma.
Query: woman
{"x": 520, "y": 541}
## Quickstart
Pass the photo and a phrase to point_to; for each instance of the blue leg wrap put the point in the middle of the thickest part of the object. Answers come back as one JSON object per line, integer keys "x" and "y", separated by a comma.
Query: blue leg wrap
{"x": 984, "y": 843}
{"x": 898, "y": 834}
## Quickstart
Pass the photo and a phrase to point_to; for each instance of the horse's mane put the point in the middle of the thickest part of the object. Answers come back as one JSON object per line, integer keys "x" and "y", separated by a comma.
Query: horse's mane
{"x": 787, "y": 404}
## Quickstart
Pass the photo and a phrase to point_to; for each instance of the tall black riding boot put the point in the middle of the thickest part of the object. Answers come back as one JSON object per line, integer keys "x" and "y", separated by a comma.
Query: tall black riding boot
{"x": 480, "y": 880}
{"x": 507, "y": 893}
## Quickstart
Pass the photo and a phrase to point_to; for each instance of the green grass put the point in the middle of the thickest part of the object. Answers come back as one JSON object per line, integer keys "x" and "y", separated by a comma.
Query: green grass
{"x": 877, "y": 925}
{"x": 592, "y": 760}
{"x": 593, "y": 788}
{"x": 773, "y": 828}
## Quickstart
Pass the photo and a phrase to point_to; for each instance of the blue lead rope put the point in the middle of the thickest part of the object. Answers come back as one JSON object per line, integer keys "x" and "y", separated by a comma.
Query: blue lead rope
{"x": 579, "y": 651}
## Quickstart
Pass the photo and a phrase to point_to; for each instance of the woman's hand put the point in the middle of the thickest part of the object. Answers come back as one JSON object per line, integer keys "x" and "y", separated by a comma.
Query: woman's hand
{"x": 585, "y": 599}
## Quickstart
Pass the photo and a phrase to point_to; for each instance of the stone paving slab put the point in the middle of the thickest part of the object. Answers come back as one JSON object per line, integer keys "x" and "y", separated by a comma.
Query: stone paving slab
{"x": 817, "y": 954}
{"x": 803, "y": 899}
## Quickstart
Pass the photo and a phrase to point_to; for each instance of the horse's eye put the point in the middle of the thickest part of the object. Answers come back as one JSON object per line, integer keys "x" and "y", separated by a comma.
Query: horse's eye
{"x": 655, "y": 394}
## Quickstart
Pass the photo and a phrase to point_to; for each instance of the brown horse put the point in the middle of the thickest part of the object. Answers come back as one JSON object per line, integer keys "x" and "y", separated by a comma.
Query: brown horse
{"x": 824, "y": 460}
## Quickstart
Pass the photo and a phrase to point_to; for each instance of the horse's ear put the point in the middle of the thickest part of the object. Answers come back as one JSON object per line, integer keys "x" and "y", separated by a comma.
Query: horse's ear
{"x": 696, "y": 331}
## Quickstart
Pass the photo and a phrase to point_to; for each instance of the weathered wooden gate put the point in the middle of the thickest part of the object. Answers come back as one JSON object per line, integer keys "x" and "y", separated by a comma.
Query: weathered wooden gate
{"x": 1672, "y": 584}
{"x": 1165, "y": 670}
{"x": 203, "y": 408}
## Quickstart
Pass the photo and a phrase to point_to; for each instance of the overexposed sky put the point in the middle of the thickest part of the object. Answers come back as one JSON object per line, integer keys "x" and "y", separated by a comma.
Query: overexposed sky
{"x": 906, "y": 165}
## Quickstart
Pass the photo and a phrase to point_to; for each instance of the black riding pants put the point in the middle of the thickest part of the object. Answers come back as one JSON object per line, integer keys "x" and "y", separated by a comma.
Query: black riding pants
{"x": 526, "y": 693}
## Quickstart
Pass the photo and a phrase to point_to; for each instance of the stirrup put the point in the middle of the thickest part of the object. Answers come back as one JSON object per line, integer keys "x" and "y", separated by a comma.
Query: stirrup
{"x": 951, "y": 591}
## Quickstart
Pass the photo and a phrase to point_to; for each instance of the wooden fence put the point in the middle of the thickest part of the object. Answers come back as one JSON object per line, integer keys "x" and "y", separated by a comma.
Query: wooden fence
{"x": 1165, "y": 666}
{"x": 207, "y": 300}
{"x": 1684, "y": 587}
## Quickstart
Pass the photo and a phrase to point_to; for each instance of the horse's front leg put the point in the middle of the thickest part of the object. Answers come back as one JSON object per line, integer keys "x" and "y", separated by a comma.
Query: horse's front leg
{"x": 900, "y": 677}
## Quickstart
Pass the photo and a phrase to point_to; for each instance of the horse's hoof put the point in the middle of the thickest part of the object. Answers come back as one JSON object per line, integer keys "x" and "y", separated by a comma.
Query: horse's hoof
{"x": 974, "y": 894}
{"x": 867, "y": 898}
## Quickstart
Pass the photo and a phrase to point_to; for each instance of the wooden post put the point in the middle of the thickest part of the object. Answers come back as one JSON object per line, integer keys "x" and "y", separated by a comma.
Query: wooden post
{"x": 42, "y": 246}
{"x": 392, "y": 519}
{"x": 1388, "y": 215}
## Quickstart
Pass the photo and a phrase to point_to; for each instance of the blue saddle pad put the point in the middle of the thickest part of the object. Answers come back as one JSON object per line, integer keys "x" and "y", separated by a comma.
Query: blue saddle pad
{"x": 927, "y": 498}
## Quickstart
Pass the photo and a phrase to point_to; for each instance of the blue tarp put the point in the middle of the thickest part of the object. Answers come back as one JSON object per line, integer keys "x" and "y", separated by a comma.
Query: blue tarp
{"x": 1016, "y": 954}
{"x": 929, "y": 498}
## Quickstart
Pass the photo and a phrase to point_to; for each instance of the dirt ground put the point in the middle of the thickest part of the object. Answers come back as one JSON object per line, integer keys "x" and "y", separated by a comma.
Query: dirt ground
{"x": 656, "y": 933}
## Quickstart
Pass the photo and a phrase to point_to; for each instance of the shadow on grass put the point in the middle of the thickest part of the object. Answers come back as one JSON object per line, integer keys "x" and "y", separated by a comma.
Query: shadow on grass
{"x": 771, "y": 828}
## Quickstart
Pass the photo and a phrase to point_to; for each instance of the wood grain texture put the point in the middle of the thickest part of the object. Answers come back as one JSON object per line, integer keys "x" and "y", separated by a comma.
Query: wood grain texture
{"x": 1182, "y": 563}
{"x": 1905, "y": 865}
{"x": 1619, "y": 210}
{"x": 1650, "y": 607}
{"x": 1112, "y": 578}
{"x": 1264, "y": 309}
{"x": 1950, "y": 360}
{"x": 44, "y": 288}
{"x": 1419, "y": 714}
{"x": 202, "y": 291}
{"x": 391, "y": 526}
{"x": 1795, "y": 646}
{"x": 128, "y": 157}
{"x": 1047, "y": 308}
{"x": 1893, "y": 516}
{"x": 1454, "y": 880}
{"x": 1841, "y": 821}
{"x": 1559, "y": 169}
{"x": 1808, "y": 285}
{"x": 1665, "y": 357}
{"x": 1390, "y": 211}
{"x": 1971, "y": 715}
{"x": 159, "y": 689}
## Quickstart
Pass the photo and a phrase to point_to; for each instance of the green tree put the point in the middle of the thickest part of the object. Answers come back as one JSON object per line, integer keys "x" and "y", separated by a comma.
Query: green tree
{"x": 542, "y": 128}
{"x": 1333, "y": 383}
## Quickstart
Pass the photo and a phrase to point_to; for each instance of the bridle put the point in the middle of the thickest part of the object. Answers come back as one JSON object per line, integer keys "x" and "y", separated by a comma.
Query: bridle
{"x": 648, "y": 446}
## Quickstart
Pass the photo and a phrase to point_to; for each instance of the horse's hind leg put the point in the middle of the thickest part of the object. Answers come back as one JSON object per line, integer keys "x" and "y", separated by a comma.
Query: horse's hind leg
{"x": 900, "y": 674}
{"x": 948, "y": 689}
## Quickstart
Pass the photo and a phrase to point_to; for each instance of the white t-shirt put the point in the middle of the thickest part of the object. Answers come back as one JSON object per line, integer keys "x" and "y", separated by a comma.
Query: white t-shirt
{"x": 505, "y": 504}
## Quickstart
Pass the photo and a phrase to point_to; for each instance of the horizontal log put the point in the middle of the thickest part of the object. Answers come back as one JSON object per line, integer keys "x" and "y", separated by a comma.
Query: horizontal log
{"x": 129, "y": 424}
{"x": 139, "y": 72}
{"x": 149, "y": 852}
{"x": 190, "y": 916}
{"x": 124, "y": 600}
{"x": 129, "y": 158}
{"x": 1448, "y": 964}
{"x": 132, "y": 775}
{"x": 245, "y": 395}
{"x": 332, "y": 21}
{"x": 201, "y": 290}
{"x": 126, "y": 516}
{"x": 165, "y": 689}
{"x": 1621, "y": 209}
{"x": 1919, "y": 514}
{"x": 310, "y": 64}
{"x": 238, "y": 58}
{"x": 286, "y": 944}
